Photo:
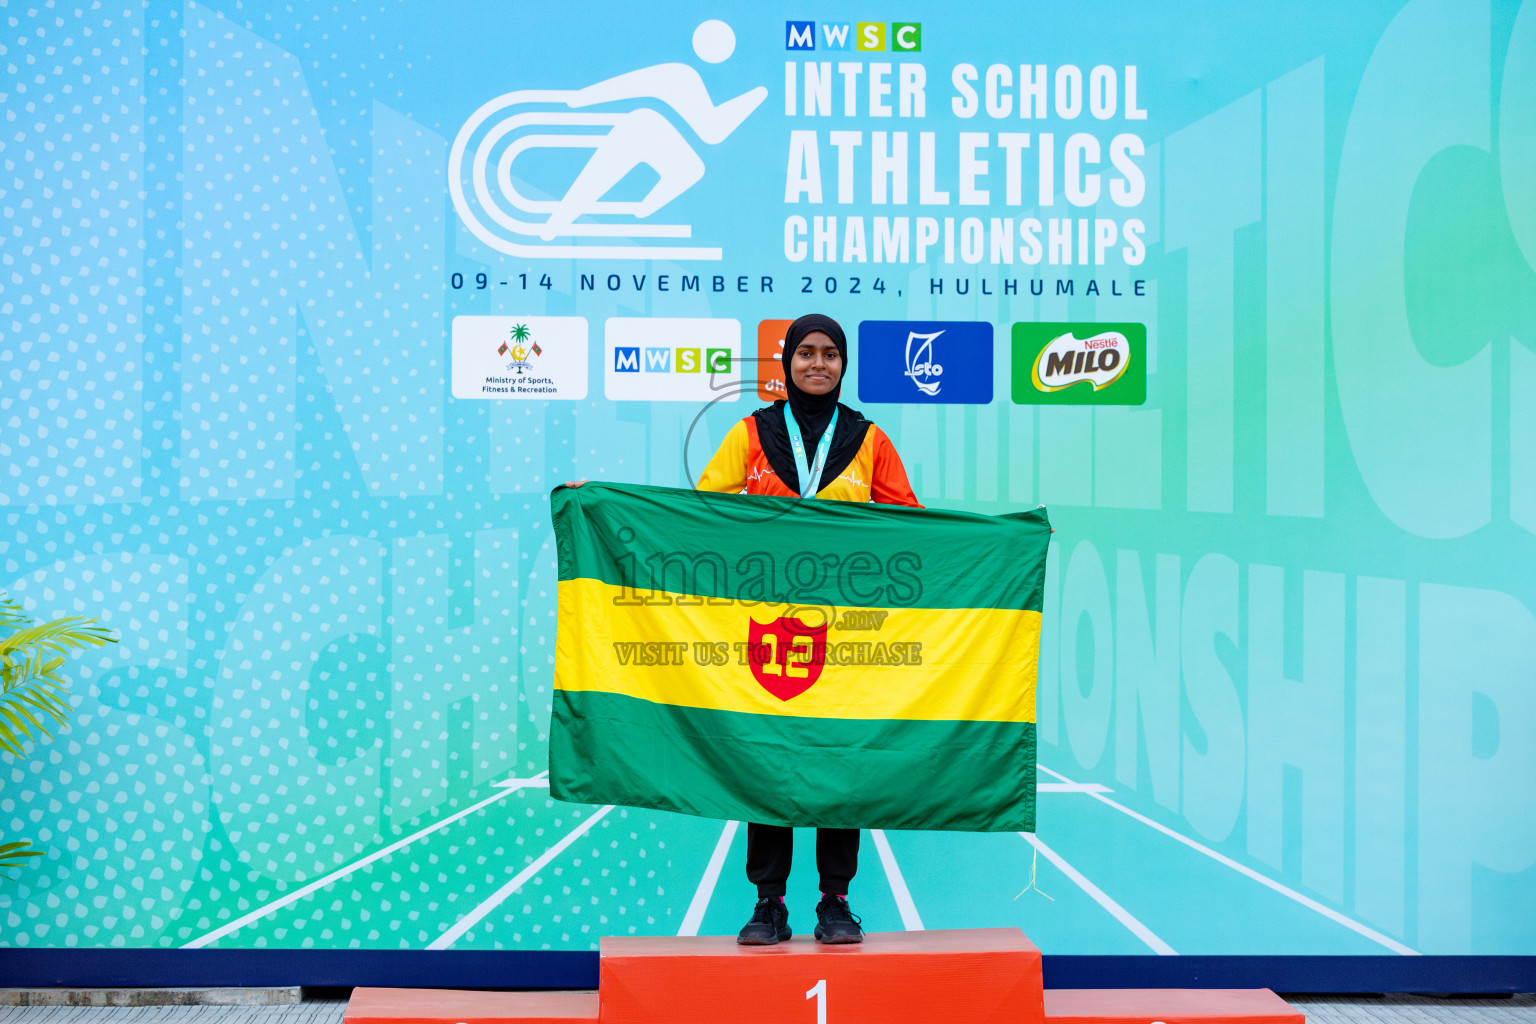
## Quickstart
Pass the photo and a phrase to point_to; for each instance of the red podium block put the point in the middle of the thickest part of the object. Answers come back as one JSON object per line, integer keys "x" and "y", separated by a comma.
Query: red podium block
{"x": 983, "y": 976}
{"x": 1169, "y": 1006}
{"x": 449, "y": 1006}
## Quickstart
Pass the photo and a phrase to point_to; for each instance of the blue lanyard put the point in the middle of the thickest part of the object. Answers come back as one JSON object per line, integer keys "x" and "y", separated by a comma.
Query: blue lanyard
{"x": 809, "y": 475}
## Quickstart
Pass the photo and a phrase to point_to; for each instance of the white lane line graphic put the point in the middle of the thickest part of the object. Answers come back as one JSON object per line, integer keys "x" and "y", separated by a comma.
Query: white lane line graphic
{"x": 1070, "y": 787}
{"x": 1102, "y": 898}
{"x": 909, "y": 919}
{"x": 706, "y": 890}
{"x": 1269, "y": 883}
{"x": 505, "y": 787}
{"x": 473, "y": 918}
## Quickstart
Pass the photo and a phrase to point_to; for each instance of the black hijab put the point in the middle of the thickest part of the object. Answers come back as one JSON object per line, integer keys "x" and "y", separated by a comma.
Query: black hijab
{"x": 812, "y": 412}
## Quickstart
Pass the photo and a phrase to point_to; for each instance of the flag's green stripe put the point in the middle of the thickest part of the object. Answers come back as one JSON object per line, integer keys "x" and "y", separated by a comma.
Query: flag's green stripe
{"x": 777, "y": 549}
{"x": 833, "y": 773}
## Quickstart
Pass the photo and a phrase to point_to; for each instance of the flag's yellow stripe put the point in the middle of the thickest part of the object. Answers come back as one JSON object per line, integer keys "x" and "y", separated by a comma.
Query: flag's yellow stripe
{"x": 977, "y": 664}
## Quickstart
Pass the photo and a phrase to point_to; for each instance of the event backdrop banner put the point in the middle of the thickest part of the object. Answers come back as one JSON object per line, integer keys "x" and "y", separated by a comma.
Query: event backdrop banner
{"x": 307, "y": 308}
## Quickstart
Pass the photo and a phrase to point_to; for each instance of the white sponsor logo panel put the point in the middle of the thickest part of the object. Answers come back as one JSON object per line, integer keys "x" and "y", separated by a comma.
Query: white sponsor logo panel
{"x": 520, "y": 357}
{"x": 671, "y": 359}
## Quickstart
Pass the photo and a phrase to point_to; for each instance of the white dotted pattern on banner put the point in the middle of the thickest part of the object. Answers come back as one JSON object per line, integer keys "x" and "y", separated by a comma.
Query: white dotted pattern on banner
{"x": 372, "y": 313}
{"x": 118, "y": 801}
{"x": 71, "y": 298}
{"x": 332, "y": 670}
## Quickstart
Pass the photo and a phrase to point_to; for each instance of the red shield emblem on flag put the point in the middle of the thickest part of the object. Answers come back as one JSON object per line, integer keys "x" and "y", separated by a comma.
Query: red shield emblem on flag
{"x": 786, "y": 655}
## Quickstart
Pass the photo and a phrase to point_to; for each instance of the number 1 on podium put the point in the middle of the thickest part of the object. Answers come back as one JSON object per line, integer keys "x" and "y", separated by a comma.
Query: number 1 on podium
{"x": 818, "y": 992}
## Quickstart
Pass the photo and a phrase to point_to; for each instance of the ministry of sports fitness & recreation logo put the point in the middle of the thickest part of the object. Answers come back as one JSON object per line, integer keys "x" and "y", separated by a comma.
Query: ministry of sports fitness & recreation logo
{"x": 522, "y": 348}
{"x": 625, "y": 122}
{"x": 530, "y": 358}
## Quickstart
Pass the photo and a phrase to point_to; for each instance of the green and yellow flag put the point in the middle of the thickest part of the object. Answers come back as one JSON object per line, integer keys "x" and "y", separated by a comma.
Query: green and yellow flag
{"x": 796, "y": 662}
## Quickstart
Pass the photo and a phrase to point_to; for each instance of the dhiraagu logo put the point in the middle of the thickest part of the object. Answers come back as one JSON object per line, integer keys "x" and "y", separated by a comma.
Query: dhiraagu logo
{"x": 1079, "y": 364}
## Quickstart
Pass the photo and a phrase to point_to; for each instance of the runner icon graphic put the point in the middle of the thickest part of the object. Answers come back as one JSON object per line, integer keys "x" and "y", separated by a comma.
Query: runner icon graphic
{"x": 506, "y": 219}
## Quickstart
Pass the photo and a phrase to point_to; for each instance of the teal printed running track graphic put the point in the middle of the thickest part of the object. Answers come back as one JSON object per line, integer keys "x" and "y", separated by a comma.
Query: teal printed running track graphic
{"x": 583, "y": 872}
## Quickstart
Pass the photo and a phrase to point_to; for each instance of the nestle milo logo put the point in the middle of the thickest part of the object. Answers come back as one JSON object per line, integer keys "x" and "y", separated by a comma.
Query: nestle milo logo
{"x": 1079, "y": 364}
{"x": 1097, "y": 361}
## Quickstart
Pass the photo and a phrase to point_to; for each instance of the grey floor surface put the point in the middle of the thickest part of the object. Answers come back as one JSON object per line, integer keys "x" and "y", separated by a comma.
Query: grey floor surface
{"x": 1396, "y": 1009}
{"x": 1392, "y": 1009}
{"x": 317, "y": 1011}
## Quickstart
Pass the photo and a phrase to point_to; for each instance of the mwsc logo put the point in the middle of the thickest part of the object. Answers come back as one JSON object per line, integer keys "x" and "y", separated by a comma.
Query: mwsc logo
{"x": 671, "y": 359}
{"x": 624, "y": 122}
{"x": 661, "y": 359}
{"x": 903, "y": 36}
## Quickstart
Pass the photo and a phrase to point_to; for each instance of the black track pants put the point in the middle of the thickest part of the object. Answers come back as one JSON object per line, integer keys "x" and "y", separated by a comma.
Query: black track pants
{"x": 770, "y": 848}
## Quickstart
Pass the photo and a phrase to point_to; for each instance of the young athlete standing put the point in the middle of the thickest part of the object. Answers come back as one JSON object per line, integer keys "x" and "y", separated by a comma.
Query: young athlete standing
{"x": 807, "y": 446}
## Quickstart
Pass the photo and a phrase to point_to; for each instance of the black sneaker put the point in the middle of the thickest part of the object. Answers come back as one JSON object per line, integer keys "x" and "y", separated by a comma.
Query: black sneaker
{"x": 769, "y": 924}
{"x": 835, "y": 923}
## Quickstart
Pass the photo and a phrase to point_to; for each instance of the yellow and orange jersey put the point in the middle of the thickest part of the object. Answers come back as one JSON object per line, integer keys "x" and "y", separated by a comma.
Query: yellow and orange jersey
{"x": 874, "y": 474}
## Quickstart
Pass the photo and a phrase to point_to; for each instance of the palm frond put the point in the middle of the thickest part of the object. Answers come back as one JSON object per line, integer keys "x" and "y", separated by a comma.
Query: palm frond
{"x": 18, "y": 726}
{"x": 32, "y": 694}
{"x": 61, "y": 636}
{"x": 12, "y": 615}
{"x": 33, "y": 690}
{"x": 14, "y": 855}
{"x": 35, "y": 678}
